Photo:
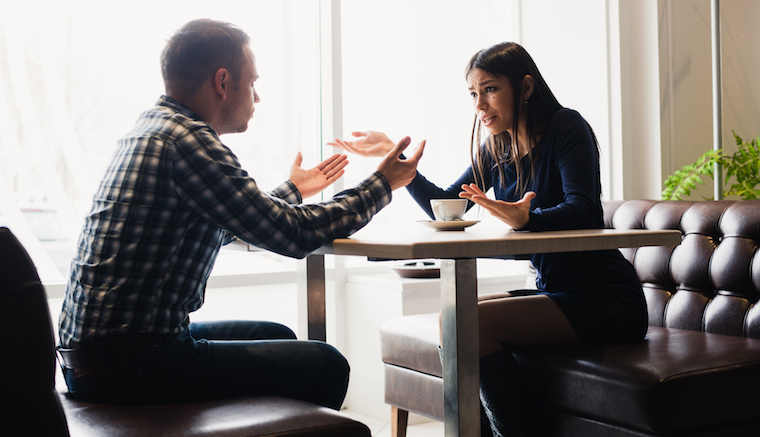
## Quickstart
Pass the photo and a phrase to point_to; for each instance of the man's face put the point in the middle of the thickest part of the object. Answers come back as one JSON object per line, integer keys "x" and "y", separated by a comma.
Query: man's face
{"x": 239, "y": 108}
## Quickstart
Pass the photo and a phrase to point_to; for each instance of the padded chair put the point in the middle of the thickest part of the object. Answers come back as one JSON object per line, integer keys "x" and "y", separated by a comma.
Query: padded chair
{"x": 696, "y": 374}
{"x": 33, "y": 407}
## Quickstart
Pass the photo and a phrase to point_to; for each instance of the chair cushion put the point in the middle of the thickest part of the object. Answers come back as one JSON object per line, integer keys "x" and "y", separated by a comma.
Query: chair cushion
{"x": 413, "y": 391}
{"x": 245, "y": 416}
{"x": 412, "y": 342}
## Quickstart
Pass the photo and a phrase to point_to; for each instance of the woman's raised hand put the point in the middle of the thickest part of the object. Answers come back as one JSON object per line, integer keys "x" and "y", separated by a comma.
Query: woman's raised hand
{"x": 515, "y": 214}
{"x": 369, "y": 143}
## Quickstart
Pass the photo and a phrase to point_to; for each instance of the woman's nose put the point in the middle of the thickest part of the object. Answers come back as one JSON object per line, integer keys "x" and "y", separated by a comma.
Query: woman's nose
{"x": 480, "y": 103}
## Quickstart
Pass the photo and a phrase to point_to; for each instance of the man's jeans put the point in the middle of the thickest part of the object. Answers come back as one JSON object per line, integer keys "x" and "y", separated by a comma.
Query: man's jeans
{"x": 221, "y": 359}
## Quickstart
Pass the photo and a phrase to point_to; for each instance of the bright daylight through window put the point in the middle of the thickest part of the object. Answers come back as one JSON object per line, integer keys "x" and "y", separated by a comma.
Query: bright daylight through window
{"x": 75, "y": 75}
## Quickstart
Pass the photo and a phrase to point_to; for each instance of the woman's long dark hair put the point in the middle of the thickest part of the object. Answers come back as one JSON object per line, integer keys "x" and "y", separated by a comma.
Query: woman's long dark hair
{"x": 510, "y": 60}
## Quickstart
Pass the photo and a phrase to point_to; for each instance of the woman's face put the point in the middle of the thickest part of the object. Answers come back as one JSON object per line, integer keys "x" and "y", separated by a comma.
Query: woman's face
{"x": 493, "y": 99}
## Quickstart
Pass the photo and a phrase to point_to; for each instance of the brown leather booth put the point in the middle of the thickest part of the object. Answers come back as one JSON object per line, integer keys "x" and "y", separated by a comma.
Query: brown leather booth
{"x": 33, "y": 407}
{"x": 697, "y": 373}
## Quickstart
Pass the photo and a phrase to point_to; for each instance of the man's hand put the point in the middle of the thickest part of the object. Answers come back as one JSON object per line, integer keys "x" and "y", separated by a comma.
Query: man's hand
{"x": 400, "y": 172}
{"x": 515, "y": 214}
{"x": 312, "y": 181}
{"x": 370, "y": 143}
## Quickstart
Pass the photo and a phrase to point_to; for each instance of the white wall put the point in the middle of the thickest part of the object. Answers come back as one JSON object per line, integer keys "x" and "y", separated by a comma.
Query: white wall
{"x": 686, "y": 79}
{"x": 600, "y": 58}
{"x": 570, "y": 47}
{"x": 640, "y": 73}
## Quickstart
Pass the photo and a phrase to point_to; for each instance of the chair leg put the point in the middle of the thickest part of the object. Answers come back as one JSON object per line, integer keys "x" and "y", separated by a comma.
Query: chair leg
{"x": 399, "y": 420}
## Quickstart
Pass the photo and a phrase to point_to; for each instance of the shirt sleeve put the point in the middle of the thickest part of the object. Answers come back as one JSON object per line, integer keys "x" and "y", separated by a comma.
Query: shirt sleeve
{"x": 288, "y": 192}
{"x": 209, "y": 178}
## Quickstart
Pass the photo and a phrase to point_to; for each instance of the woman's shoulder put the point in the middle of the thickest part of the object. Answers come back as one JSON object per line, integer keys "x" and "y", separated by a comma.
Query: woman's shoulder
{"x": 566, "y": 116}
{"x": 566, "y": 122}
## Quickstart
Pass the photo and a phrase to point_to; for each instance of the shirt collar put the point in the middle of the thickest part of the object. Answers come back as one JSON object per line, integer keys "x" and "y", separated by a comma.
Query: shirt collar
{"x": 168, "y": 102}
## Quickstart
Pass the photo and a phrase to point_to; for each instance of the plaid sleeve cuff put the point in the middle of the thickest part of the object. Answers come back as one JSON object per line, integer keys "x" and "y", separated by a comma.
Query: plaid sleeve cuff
{"x": 288, "y": 192}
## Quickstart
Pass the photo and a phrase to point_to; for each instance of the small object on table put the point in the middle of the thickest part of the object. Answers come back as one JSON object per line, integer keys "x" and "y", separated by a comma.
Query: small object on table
{"x": 453, "y": 225}
{"x": 418, "y": 269}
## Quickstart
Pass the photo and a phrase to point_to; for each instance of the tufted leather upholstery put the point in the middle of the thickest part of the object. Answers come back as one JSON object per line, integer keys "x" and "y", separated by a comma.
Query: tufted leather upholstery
{"x": 697, "y": 372}
{"x": 710, "y": 281}
{"x": 32, "y": 407}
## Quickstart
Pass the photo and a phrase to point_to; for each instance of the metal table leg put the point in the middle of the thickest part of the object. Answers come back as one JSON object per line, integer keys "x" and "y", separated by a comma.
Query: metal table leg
{"x": 311, "y": 298}
{"x": 461, "y": 371}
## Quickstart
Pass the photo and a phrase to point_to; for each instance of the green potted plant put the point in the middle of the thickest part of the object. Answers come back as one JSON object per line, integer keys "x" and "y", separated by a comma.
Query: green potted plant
{"x": 741, "y": 170}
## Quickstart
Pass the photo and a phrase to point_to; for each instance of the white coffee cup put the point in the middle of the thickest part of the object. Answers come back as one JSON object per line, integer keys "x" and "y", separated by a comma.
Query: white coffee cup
{"x": 448, "y": 209}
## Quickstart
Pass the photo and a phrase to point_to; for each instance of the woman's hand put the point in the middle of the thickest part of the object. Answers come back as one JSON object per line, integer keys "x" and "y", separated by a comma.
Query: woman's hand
{"x": 370, "y": 143}
{"x": 312, "y": 181}
{"x": 515, "y": 214}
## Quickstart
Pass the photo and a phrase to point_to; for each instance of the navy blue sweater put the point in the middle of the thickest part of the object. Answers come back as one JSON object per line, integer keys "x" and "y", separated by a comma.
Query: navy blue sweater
{"x": 568, "y": 196}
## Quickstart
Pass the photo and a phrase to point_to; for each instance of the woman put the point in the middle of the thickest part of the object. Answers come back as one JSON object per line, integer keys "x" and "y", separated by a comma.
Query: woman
{"x": 542, "y": 162}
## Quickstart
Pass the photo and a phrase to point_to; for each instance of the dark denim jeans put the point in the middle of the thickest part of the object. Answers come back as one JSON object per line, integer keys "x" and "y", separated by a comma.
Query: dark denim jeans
{"x": 221, "y": 359}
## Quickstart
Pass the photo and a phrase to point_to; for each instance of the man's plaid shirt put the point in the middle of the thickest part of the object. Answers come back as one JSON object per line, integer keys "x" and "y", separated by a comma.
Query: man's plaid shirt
{"x": 172, "y": 195}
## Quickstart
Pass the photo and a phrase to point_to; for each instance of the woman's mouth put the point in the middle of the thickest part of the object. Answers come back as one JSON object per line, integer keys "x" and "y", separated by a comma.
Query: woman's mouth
{"x": 487, "y": 121}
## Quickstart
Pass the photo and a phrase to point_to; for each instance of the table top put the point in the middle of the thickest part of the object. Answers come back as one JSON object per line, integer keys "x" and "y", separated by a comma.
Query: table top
{"x": 487, "y": 241}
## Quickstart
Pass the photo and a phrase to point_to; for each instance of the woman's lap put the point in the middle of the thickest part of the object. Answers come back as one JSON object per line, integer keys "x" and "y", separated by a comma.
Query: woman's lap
{"x": 599, "y": 319}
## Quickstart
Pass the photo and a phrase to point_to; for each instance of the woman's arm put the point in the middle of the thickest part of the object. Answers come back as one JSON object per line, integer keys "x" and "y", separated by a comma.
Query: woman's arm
{"x": 369, "y": 143}
{"x": 372, "y": 143}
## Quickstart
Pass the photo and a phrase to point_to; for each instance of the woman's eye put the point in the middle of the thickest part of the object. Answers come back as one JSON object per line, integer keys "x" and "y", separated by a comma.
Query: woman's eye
{"x": 490, "y": 89}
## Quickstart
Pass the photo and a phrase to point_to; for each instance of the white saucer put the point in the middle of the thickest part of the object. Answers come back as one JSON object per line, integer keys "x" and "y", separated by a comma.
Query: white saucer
{"x": 454, "y": 225}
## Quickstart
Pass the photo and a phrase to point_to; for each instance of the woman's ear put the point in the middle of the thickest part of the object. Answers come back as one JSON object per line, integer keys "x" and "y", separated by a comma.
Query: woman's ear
{"x": 527, "y": 87}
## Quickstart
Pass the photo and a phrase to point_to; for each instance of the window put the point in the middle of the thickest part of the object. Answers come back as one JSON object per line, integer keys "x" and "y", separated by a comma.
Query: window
{"x": 75, "y": 75}
{"x": 403, "y": 74}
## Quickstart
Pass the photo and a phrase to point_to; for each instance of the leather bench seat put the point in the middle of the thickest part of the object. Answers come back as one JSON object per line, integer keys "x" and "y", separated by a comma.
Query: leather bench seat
{"x": 696, "y": 374}
{"x": 676, "y": 380}
{"x": 246, "y": 416}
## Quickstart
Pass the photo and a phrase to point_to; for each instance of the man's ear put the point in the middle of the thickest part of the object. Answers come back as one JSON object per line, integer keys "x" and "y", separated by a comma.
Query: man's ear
{"x": 222, "y": 82}
{"x": 527, "y": 87}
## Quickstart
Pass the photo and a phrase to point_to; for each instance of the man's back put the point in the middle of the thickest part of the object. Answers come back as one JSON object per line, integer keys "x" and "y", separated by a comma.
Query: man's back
{"x": 144, "y": 253}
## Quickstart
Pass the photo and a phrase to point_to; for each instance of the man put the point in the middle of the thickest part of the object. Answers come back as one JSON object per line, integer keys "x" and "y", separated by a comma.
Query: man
{"x": 172, "y": 195}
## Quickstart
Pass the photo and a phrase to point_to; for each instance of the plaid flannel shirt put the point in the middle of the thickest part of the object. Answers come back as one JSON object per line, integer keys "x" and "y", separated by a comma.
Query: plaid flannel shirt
{"x": 172, "y": 195}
